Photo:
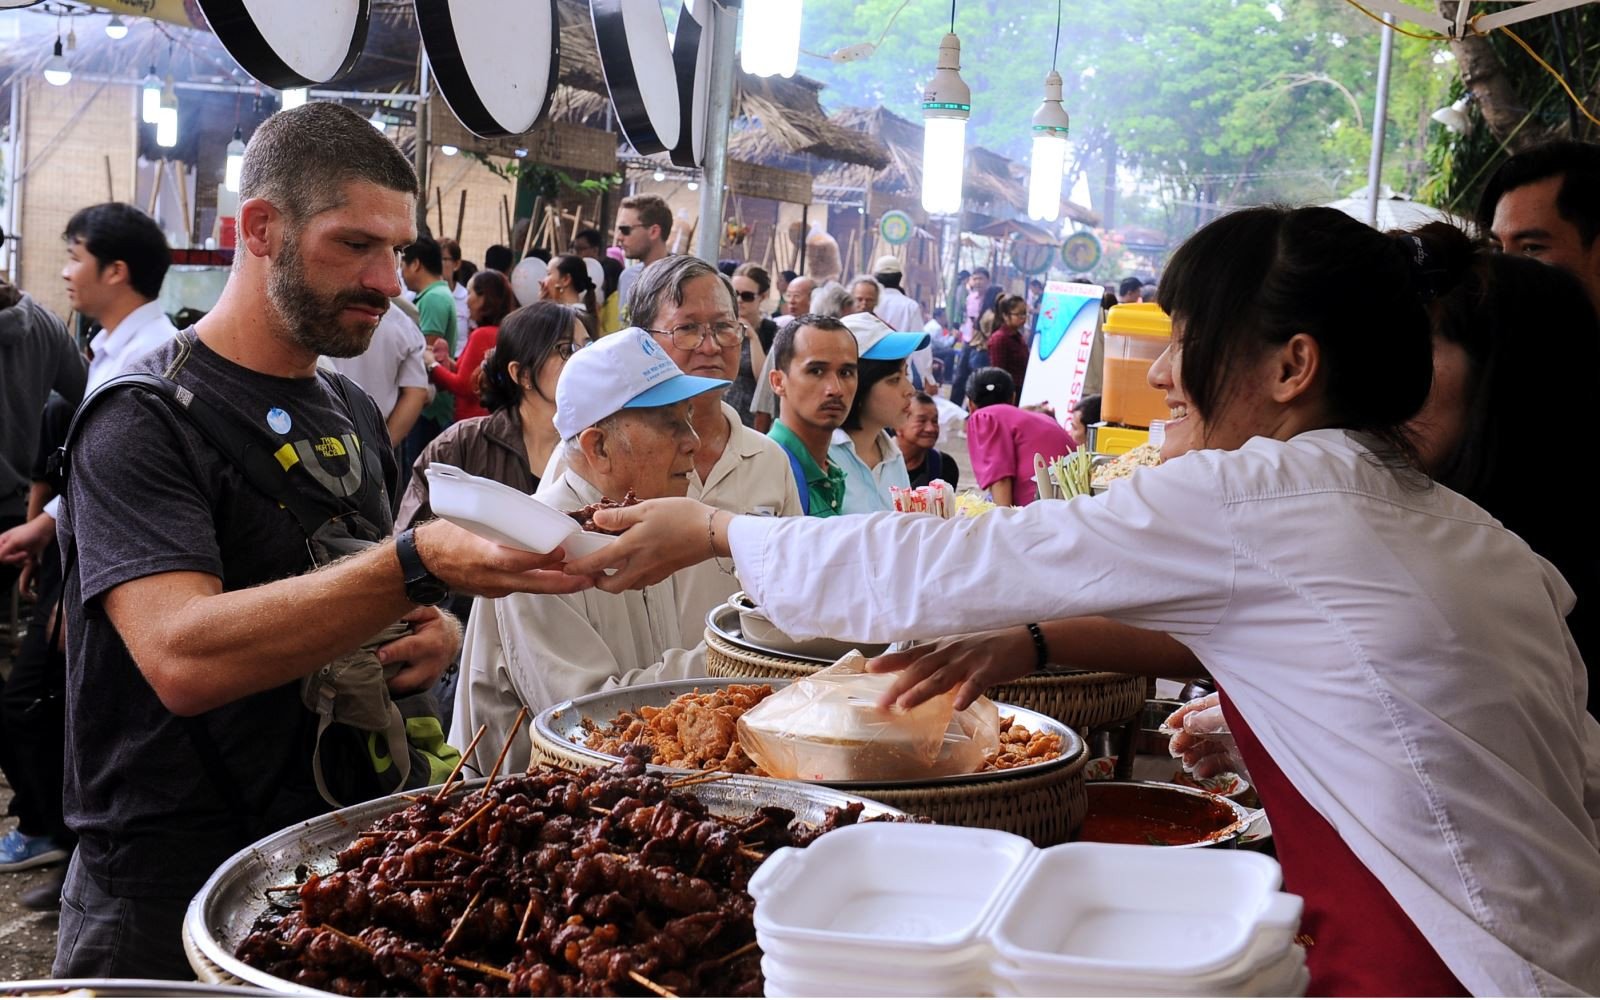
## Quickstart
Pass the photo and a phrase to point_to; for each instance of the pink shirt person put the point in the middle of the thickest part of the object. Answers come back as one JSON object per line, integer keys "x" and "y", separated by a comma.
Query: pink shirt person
{"x": 1003, "y": 439}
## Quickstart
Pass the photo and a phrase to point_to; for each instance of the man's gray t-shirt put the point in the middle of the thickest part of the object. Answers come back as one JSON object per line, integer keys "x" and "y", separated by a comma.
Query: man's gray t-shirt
{"x": 148, "y": 494}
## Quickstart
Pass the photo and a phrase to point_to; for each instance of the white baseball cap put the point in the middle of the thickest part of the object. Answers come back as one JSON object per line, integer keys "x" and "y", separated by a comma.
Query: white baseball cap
{"x": 887, "y": 264}
{"x": 626, "y": 370}
{"x": 878, "y": 342}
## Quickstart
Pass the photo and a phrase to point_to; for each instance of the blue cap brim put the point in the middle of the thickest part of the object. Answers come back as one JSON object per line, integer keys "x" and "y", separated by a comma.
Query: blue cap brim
{"x": 675, "y": 390}
{"x": 896, "y": 346}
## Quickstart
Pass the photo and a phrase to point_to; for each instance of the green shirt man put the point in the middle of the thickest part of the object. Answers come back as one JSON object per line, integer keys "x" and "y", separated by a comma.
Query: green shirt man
{"x": 825, "y": 489}
{"x": 437, "y": 307}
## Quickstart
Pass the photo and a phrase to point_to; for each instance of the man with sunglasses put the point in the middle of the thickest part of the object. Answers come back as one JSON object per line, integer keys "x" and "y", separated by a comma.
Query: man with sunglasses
{"x": 643, "y": 224}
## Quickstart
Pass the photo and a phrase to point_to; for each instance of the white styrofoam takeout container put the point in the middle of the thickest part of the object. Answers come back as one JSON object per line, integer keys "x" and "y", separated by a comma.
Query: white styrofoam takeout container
{"x": 919, "y": 890}
{"x": 812, "y": 980}
{"x": 1281, "y": 976}
{"x": 506, "y": 515}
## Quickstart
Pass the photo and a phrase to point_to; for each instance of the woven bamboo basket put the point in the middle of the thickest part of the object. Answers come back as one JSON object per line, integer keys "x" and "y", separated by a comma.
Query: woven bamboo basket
{"x": 1080, "y": 699}
{"x": 1046, "y": 806}
{"x": 206, "y": 970}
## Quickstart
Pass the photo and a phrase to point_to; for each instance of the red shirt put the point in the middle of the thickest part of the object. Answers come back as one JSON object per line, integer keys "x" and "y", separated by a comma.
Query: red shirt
{"x": 1006, "y": 350}
{"x": 464, "y": 380}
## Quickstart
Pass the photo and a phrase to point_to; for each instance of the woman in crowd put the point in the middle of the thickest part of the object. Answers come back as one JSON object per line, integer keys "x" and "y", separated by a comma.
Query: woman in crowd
{"x": 489, "y": 299}
{"x": 1002, "y": 438}
{"x": 1008, "y": 349}
{"x": 1394, "y": 665}
{"x": 513, "y": 442}
{"x": 568, "y": 283}
{"x": 1472, "y": 434}
{"x": 750, "y": 286}
{"x": 863, "y": 448}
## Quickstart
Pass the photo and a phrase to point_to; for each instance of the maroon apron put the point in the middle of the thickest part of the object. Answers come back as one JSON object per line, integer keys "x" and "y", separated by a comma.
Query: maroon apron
{"x": 1358, "y": 940}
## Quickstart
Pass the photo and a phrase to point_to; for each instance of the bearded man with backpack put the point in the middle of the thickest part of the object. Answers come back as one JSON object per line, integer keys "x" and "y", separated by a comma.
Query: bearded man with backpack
{"x": 228, "y": 575}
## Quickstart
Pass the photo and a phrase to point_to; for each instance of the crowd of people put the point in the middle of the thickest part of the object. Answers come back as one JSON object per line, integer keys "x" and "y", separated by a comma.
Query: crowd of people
{"x": 236, "y": 537}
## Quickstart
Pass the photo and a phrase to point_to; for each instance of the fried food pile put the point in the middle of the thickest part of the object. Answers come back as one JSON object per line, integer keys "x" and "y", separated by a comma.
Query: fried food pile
{"x": 552, "y": 883}
{"x": 585, "y": 515}
{"x": 699, "y": 731}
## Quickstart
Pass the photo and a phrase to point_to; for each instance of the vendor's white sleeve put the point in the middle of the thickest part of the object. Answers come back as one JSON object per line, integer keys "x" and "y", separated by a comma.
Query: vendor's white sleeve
{"x": 1154, "y": 552}
{"x": 53, "y": 508}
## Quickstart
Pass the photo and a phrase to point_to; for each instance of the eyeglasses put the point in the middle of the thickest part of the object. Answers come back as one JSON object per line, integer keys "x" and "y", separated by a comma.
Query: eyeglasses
{"x": 566, "y": 349}
{"x": 625, "y": 230}
{"x": 749, "y": 296}
{"x": 690, "y": 336}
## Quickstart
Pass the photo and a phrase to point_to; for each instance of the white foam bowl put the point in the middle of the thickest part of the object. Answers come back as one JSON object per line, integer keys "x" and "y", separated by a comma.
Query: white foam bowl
{"x": 506, "y": 515}
{"x": 897, "y": 888}
{"x": 786, "y": 979}
{"x": 1285, "y": 975}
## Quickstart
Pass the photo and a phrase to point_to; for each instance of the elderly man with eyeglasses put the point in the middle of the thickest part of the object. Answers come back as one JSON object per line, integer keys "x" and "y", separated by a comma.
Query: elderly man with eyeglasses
{"x": 688, "y": 306}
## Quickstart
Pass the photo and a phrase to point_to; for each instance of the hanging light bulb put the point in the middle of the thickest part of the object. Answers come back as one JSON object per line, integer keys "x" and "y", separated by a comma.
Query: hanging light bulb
{"x": 769, "y": 40}
{"x": 167, "y": 127}
{"x": 1050, "y": 127}
{"x": 169, "y": 93}
{"x": 449, "y": 150}
{"x": 294, "y": 97}
{"x": 152, "y": 97}
{"x": 694, "y": 185}
{"x": 946, "y": 105}
{"x": 659, "y": 176}
{"x": 230, "y": 176}
{"x": 116, "y": 29}
{"x": 56, "y": 71}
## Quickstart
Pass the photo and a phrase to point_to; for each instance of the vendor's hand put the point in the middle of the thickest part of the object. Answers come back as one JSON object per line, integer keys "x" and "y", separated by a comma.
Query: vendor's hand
{"x": 659, "y": 537}
{"x": 472, "y": 565}
{"x": 434, "y": 640}
{"x": 1203, "y": 740}
{"x": 27, "y": 541}
{"x": 974, "y": 662}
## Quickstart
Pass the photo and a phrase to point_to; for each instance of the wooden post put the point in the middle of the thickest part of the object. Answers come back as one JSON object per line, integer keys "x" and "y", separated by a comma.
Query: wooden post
{"x": 155, "y": 189}
{"x": 505, "y": 217}
{"x": 183, "y": 204}
{"x": 438, "y": 198}
{"x": 111, "y": 191}
{"x": 527, "y": 237}
{"x": 461, "y": 214}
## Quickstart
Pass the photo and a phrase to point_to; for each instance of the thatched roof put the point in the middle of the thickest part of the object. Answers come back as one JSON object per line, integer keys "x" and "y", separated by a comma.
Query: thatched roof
{"x": 991, "y": 178}
{"x": 781, "y": 115}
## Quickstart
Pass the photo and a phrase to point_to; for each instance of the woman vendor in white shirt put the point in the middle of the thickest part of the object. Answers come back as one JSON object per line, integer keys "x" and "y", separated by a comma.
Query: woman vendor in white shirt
{"x": 1395, "y": 664}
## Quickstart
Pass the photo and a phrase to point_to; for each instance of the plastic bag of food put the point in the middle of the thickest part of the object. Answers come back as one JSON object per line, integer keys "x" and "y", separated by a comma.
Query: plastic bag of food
{"x": 828, "y": 727}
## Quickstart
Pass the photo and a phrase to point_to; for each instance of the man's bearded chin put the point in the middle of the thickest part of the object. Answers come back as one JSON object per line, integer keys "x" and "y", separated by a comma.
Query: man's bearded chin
{"x": 318, "y": 322}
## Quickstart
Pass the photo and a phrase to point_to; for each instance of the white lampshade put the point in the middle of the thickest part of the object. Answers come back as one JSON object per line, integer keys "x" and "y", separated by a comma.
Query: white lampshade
{"x": 769, "y": 41}
{"x": 294, "y": 97}
{"x": 167, "y": 127}
{"x": 230, "y": 177}
{"x": 1050, "y": 127}
{"x": 116, "y": 29}
{"x": 946, "y": 104}
{"x": 56, "y": 71}
{"x": 151, "y": 103}
{"x": 449, "y": 150}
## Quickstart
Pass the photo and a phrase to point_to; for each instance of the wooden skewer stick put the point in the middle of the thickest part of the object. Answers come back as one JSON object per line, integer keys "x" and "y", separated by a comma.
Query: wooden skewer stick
{"x": 487, "y": 970}
{"x": 704, "y": 779}
{"x": 451, "y": 937}
{"x": 730, "y": 956}
{"x": 466, "y": 823}
{"x": 751, "y": 854}
{"x": 527, "y": 915}
{"x": 601, "y": 811}
{"x": 651, "y": 985}
{"x": 522, "y": 713}
{"x": 429, "y": 883}
{"x": 465, "y": 854}
{"x": 439, "y": 795}
{"x": 352, "y": 939}
{"x": 282, "y": 888}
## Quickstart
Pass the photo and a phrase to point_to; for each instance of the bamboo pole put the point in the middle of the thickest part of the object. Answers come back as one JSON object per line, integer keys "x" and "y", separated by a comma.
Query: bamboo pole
{"x": 461, "y": 214}
{"x": 505, "y": 217}
{"x": 155, "y": 188}
{"x": 438, "y": 199}
{"x": 111, "y": 191}
{"x": 183, "y": 204}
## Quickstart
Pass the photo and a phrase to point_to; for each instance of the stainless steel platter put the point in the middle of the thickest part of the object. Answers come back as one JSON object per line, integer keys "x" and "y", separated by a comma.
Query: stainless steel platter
{"x": 724, "y": 621}
{"x": 223, "y": 913}
{"x": 564, "y": 725}
{"x": 126, "y": 988}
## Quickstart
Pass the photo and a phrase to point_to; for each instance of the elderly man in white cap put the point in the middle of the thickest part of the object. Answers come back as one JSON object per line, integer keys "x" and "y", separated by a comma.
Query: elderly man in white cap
{"x": 863, "y": 448}
{"x": 623, "y": 411}
{"x": 902, "y": 312}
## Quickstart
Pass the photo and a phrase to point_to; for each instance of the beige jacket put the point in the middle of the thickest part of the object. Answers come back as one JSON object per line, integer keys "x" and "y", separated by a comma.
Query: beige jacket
{"x": 540, "y": 649}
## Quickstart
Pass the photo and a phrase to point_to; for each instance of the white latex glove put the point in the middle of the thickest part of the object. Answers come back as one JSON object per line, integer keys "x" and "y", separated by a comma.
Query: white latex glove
{"x": 1201, "y": 738}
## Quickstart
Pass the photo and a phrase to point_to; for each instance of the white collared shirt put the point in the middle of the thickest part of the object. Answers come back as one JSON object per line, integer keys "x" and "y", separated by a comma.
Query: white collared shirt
{"x": 1401, "y": 656}
{"x": 394, "y": 360}
{"x": 866, "y": 488}
{"x": 904, "y": 315}
{"x": 139, "y": 333}
{"x": 540, "y": 649}
{"x": 464, "y": 322}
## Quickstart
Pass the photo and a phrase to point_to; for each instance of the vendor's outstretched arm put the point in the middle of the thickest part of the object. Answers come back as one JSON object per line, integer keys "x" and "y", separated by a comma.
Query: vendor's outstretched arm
{"x": 974, "y": 663}
{"x": 201, "y": 647}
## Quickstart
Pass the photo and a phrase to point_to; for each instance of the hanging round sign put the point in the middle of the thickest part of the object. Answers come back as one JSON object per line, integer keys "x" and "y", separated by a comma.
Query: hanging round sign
{"x": 290, "y": 43}
{"x": 653, "y": 87}
{"x": 895, "y": 227}
{"x": 1032, "y": 258}
{"x": 1081, "y": 252}
{"x": 495, "y": 89}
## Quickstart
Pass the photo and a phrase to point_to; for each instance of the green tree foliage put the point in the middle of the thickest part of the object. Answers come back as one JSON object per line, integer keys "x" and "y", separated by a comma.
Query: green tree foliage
{"x": 1208, "y": 104}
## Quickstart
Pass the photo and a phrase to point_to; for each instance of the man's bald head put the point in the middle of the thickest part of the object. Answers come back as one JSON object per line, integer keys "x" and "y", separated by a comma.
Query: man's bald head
{"x": 797, "y": 300}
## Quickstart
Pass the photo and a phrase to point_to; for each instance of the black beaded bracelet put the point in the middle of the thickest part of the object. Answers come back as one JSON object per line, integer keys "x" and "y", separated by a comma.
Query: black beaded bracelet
{"x": 1041, "y": 651}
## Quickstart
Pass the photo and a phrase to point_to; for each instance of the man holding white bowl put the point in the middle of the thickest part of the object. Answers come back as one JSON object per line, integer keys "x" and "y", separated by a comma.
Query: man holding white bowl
{"x": 624, "y": 412}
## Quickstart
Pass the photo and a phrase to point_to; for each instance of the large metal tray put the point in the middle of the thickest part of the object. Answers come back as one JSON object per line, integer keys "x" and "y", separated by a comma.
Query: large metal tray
{"x": 222, "y": 914}
{"x": 724, "y": 621}
{"x": 563, "y": 725}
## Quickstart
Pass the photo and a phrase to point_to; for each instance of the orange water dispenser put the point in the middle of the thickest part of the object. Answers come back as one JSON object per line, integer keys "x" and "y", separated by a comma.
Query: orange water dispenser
{"x": 1135, "y": 335}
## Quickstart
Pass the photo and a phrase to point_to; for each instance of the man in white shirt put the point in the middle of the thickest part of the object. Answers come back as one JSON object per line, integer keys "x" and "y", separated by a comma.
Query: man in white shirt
{"x": 623, "y": 409}
{"x": 392, "y": 371}
{"x": 904, "y": 315}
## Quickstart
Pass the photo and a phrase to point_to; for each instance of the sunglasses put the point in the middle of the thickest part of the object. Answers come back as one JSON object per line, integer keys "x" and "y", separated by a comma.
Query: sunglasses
{"x": 748, "y": 296}
{"x": 625, "y": 230}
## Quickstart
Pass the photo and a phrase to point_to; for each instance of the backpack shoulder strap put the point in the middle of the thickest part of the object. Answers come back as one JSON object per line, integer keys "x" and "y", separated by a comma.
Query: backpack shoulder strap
{"x": 800, "y": 479}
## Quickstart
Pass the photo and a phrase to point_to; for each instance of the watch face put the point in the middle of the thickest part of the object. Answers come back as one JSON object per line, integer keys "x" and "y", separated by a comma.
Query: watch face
{"x": 428, "y": 590}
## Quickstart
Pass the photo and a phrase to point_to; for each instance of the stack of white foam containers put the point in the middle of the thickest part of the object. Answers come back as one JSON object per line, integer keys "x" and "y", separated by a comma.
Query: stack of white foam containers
{"x": 893, "y": 909}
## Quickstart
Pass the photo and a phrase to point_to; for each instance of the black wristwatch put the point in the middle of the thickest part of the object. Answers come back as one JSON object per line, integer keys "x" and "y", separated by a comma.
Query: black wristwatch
{"x": 422, "y": 587}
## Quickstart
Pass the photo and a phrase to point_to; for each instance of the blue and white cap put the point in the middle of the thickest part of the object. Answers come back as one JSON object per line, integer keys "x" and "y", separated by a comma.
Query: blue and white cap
{"x": 626, "y": 370}
{"x": 878, "y": 342}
